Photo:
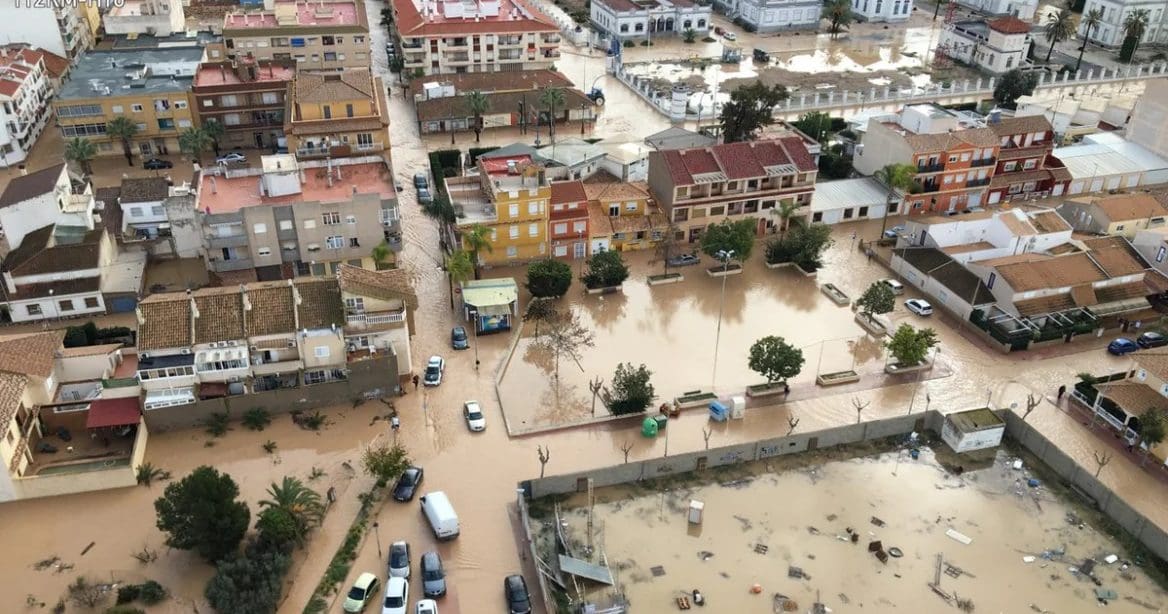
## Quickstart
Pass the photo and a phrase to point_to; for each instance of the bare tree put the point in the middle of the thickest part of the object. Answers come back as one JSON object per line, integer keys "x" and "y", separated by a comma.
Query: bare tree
{"x": 565, "y": 338}
{"x": 792, "y": 422}
{"x": 86, "y": 594}
{"x": 1031, "y": 403}
{"x": 544, "y": 456}
{"x": 860, "y": 407}
{"x": 541, "y": 311}
{"x": 1101, "y": 461}
{"x": 706, "y": 436}
{"x": 596, "y": 386}
{"x": 625, "y": 447}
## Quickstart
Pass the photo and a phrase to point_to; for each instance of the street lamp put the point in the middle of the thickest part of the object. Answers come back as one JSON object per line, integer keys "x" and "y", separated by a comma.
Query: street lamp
{"x": 474, "y": 324}
{"x": 377, "y": 535}
{"x": 724, "y": 256}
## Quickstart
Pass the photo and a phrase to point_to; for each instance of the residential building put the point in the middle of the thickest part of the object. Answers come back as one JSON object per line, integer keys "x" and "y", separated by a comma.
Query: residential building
{"x": 152, "y": 213}
{"x": 889, "y": 11}
{"x": 307, "y": 218}
{"x": 625, "y": 19}
{"x": 150, "y": 17}
{"x": 379, "y": 314}
{"x": 58, "y": 273}
{"x": 1110, "y": 32}
{"x": 64, "y": 28}
{"x": 621, "y": 215}
{"x": 57, "y": 67}
{"x": 626, "y": 161}
{"x": 1121, "y": 215}
{"x": 772, "y": 15}
{"x": 248, "y": 97}
{"x": 1026, "y": 166}
{"x": 705, "y": 185}
{"x": 568, "y": 220}
{"x": 954, "y": 156}
{"x": 982, "y": 235}
{"x": 510, "y": 198}
{"x": 512, "y": 99}
{"x": 151, "y": 87}
{"x": 679, "y": 138}
{"x": 330, "y": 115}
{"x": 1074, "y": 118}
{"x": 1149, "y": 118}
{"x": 485, "y": 36}
{"x": 46, "y": 197}
{"x": 849, "y": 200}
{"x": 1022, "y": 9}
{"x": 25, "y": 90}
{"x": 1121, "y": 403}
{"x": 996, "y": 46}
{"x": 1107, "y": 161}
{"x": 945, "y": 282}
{"x": 316, "y": 35}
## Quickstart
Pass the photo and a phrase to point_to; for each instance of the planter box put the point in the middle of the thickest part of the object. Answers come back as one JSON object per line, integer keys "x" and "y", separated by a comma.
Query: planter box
{"x": 695, "y": 399}
{"x": 836, "y": 295}
{"x": 895, "y": 368}
{"x": 806, "y": 273}
{"x": 718, "y": 272}
{"x": 765, "y": 390}
{"x": 779, "y": 265}
{"x": 668, "y": 278}
{"x": 604, "y": 290}
{"x": 872, "y": 326}
{"x": 837, "y": 378}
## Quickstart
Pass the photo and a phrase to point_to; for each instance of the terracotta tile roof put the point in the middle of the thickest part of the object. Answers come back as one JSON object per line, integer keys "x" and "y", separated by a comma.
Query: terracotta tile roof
{"x": 1009, "y": 25}
{"x": 1123, "y": 207}
{"x": 12, "y": 386}
{"x": 734, "y": 160}
{"x": 616, "y": 191}
{"x": 1123, "y": 292}
{"x": 1013, "y": 259}
{"x": 1059, "y": 272}
{"x": 62, "y": 288}
{"x": 1084, "y": 295}
{"x": 1045, "y": 304}
{"x": 1134, "y": 397}
{"x": 391, "y": 284}
{"x": 320, "y": 303}
{"x": 1049, "y": 221}
{"x": 55, "y": 64}
{"x": 564, "y": 192}
{"x": 144, "y": 189}
{"x": 632, "y": 223}
{"x": 967, "y": 247}
{"x": 349, "y": 84}
{"x": 410, "y": 23}
{"x": 1009, "y": 126}
{"x": 328, "y": 126}
{"x": 1155, "y": 362}
{"x": 1018, "y": 226}
{"x": 1155, "y": 281}
{"x": 30, "y": 354}
{"x": 950, "y": 141}
{"x": 165, "y": 321}
{"x": 1115, "y": 256}
{"x": 220, "y": 315}
{"x": 28, "y": 186}
{"x": 492, "y": 82}
{"x": 273, "y": 309}
{"x": 1060, "y": 174}
{"x": 599, "y": 224}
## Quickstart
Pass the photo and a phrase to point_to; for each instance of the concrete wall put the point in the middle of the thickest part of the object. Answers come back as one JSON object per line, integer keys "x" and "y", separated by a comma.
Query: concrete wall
{"x": 369, "y": 379}
{"x": 85, "y": 481}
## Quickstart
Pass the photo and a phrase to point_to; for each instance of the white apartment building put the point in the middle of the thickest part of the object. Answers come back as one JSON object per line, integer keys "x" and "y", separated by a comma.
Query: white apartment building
{"x": 24, "y": 102}
{"x": 882, "y": 10}
{"x": 775, "y": 15}
{"x": 1109, "y": 33}
{"x": 487, "y": 36}
{"x": 64, "y": 28}
{"x": 626, "y": 19}
{"x": 997, "y": 46}
{"x": 1149, "y": 118}
{"x": 45, "y": 198}
{"x": 1022, "y": 9}
{"x": 151, "y": 17}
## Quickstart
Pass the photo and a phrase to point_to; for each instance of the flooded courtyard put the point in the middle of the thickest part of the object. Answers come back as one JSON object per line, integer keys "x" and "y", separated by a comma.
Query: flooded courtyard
{"x": 801, "y": 527}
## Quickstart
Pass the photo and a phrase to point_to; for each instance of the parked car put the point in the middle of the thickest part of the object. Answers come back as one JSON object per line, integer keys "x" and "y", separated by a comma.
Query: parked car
{"x": 363, "y": 591}
{"x": 896, "y": 287}
{"x": 718, "y": 30}
{"x": 761, "y": 55}
{"x": 1122, "y": 346}
{"x": 1151, "y": 340}
{"x": 399, "y": 560}
{"x": 433, "y": 575}
{"x": 157, "y": 164}
{"x": 407, "y": 485}
{"x": 518, "y": 600}
{"x": 684, "y": 260}
{"x": 420, "y": 180}
{"x": 434, "y": 368}
{"x": 397, "y": 596}
{"x": 894, "y": 232}
{"x": 232, "y": 158}
{"x": 458, "y": 338}
{"x": 730, "y": 36}
{"x": 919, "y": 306}
{"x": 424, "y": 195}
{"x": 427, "y": 606}
{"x": 475, "y": 420}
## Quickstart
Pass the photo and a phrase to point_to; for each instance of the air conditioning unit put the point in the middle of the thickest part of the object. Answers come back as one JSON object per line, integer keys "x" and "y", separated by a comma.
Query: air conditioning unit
{"x": 185, "y": 351}
{"x": 214, "y": 344}
{"x": 145, "y": 355}
{"x": 291, "y": 343}
{"x": 252, "y": 348}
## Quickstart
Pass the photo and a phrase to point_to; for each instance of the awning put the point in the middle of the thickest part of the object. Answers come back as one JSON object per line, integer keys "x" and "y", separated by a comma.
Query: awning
{"x": 493, "y": 310}
{"x": 105, "y": 413}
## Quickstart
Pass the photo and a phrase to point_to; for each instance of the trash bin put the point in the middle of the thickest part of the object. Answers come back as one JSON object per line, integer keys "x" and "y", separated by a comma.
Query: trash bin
{"x": 649, "y": 428}
{"x": 718, "y": 411}
{"x": 662, "y": 422}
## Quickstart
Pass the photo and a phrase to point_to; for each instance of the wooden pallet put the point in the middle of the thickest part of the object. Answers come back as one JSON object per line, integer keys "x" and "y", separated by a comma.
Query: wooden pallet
{"x": 683, "y": 603}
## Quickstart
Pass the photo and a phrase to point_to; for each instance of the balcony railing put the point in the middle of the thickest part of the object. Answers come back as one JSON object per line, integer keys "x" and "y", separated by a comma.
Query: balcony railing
{"x": 984, "y": 162}
{"x": 379, "y": 318}
{"x": 236, "y": 264}
{"x": 929, "y": 187}
{"x": 931, "y": 168}
{"x": 216, "y": 242}
{"x": 977, "y": 183}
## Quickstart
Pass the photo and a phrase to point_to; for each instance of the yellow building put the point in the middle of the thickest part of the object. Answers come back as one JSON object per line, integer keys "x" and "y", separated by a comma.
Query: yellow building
{"x": 621, "y": 215}
{"x": 510, "y": 197}
{"x": 341, "y": 113}
{"x": 151, "y": 87}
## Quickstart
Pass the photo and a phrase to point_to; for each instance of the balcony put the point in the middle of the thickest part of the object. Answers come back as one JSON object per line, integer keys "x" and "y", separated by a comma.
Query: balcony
{"x": 456, "y": 57}
{"x": 372, "y": 319}
{"x": 977, "y": 183}
{"x": 931, "y": 168}
{"x": 510, "y": 41}
{"x": 374, "y": 146}
{"x": 217, "y": 242}
{"x": 929, "y": 187}
{"x": 413, "y": 43}
{"x": 236, "y": 264}
{"x": 984, "y": 162}
{"x": 455, "y": 43}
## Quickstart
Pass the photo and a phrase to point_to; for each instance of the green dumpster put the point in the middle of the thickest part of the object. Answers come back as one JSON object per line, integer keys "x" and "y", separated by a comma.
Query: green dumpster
{"x": 649, "y": 427}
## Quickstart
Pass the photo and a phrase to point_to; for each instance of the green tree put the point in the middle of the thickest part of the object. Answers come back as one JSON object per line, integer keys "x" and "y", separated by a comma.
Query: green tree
{"x": 459, "y": 269}
{"x": 251, "y": 583}
{"x": 1091, "y": 21}
{"x": 124, "y": 129}
{"x": 804, "y": 246}
{"x": 381, "y": 255}
{"x": 194, "y": 142}
{"x": 751, "y": 108}
{"x": 632, "y": 391}
{"x": 200, "y": 513}
{"x": 775, "y": 359}
{"x": 1153, "y": 429}
{"x": 894, "y": 177}
{"x": 1012, "y": 86}
{"x": 839, "y": 14}
{"x": 737, "y": 236}
{"x": 785, "y": 210}
{"x": 878, "y": 299}
{"x": 815, "y": 124}
{"x": 605, "y": 270}
{"x": 478, "y": 104}
{"x": 476, "y": 239}
{"x": 81, "y": 151}
{"x": 689, "y": 35}
{"x": 550, "y": 99}
{"x": 1059, "y": 27}
{"x": 214, "y": 129}
{"x": 910, "y": 346}
{"x": 277, "y": 526}
{"x": 299, "y": 502}
{"x": 385, "y": 462}
{"x": 548, "y": 278}
{"x": 1135, "y": 25}
{"x": 440, "y": 208}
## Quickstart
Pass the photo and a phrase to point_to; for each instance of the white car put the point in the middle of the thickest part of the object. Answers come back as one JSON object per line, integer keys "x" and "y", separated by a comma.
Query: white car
{"x": 730, "y": 36}
{"x": 434, "y": 368}
{"x": 918, "y": 306}
{"x": 475, "y": 420}
{"x": 231, "y": 158}
{"x": 427, "y": 606}
{"x": 397, "y": 596}
{"x": 896, "y": 287}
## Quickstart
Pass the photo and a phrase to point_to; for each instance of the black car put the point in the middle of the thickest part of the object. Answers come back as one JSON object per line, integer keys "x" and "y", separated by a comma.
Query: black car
{"x": 433, "y": 576}
{"x": 407, "y": 484}
{"x": 157, "y": 164}
{"x": 1152, "y": 340}
{"x": 458, "y": 338}
{"x": 515, "y": 588}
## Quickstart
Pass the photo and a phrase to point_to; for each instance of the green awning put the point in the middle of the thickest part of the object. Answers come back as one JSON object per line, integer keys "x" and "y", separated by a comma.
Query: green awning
{"x": 491, "y": 296}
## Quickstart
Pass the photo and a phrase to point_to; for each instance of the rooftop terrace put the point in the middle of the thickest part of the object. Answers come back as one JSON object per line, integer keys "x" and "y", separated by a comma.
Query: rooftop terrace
{"x": 295, "y": 14}
{"x": 222, "y": 74}
{"x": 226, "y": 195}
{"x": 99, "y": 72}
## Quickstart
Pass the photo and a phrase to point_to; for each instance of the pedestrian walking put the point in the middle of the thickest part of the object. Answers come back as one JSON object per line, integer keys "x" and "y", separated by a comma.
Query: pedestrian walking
{"x": 415, "y": 381}
{"x": 1139, "y": 323}
{"x": 1061, "y": 391}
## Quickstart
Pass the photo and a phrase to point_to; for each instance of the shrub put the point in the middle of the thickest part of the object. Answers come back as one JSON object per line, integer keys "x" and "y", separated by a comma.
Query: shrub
{"x": 251, "y": 582}
{"x": 257, "y": 419}
{"x": 605, "y": 270}
{"x": 548, "y": 278}
{"x": 217, "y": 424}
{"x": 631, "y": 391}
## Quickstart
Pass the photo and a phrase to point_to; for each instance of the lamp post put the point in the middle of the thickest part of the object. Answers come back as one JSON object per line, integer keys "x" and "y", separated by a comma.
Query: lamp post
{"x": 474, "y": 324}
{"x": 377, "y": 535}
{"x": 724, "y": 256}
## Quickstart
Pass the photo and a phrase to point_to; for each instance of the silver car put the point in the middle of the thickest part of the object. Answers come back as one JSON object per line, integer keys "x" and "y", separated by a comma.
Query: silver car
{"x": 399, "y": 560}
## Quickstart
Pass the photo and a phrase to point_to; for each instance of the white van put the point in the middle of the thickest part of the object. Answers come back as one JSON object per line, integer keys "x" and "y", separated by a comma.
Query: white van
{"x": 896, "y": 287}
{"x": 441, "y": 515}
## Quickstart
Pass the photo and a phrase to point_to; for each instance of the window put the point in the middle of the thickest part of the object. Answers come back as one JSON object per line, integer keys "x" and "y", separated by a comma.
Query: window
{"x": 614, "y": 210}
{"x": 353, "y": 242}
{"x": 355, "y": 305}
{"x": 135, "y": 211}
{"x": 65, "y": 305}
{"x": 285, "y": 224}
{"x": 157, "y": 210}
{"x": 350, "y": 219}
{"x": 991, "y": 280}
{"x": 718, "y": 210}
{"x": 1119, "y": 227}
{"x": 1029, "y": 164}
{"x": 560, "y": 228}
{"x": 533, "y": 230}
{"x": 817, "y": 216}
{"x": 260, "y": 228}
{"x": 848, "y": 213}
{"x": 513, "y": 210}
{"x": 137, "y": 108}
{"x": 330, "y": 56}
{"x": 631, "y": 206}
{"x": 309, "y": 224}
{"x": 270, "y": 98}
{"x": 180, "y": 104}
{"x": 533, "y": 208}
{"x": 321, "y": 351}
{"x": 34, "y": 310}
{"x": 328, "y": 111}
{"x": 91, "y": 302}
{"x": 264, "y": 251}
{"x": 83, "y": 130}
{"x": 84, "y": 110}
{"x": 331, "y": 218}
{"x": 1010, "y": 166}
{"x": 579, "y": 226}
{"x": 335, "y": 242}
{"x": 1160, "y": 253}
{"x": 512, "y": 251}
{"x": 231, "y": 119}
{"x": 117, "y": 109}
{"x": 229, "y": 100}
{"x": 965, "y": 157}
{"x": 514, "y": 232}
{"x": 184, "y": 123}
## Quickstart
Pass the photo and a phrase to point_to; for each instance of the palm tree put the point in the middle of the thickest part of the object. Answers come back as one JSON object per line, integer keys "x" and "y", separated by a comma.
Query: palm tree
{"x": 123, "y": 129}
{"x": 895, "y": 176}
{"x": 478, "y": 103}
{"x": 785, "y": 210}
{"x": 81, "y": 151}
{"x": 1059, "y": 27}
{"x": 1090, "y": 22}
{"x": 551, "y": 98}
{"x": 301, "y": 503}
{"x": 839, "y": 13}
{"x": 381, "y": 255}
{"x": 194, "y": 141}
{"x": 476, "y": 239}
{"x": 459, "y": 268}
{"x": 213, "y": 129}
{"x": 1134, "y": 27}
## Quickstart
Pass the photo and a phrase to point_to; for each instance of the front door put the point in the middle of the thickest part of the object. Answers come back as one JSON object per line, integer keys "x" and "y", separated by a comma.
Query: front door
{"x": 578, "y": 250}
{"x": 259, "y": 139}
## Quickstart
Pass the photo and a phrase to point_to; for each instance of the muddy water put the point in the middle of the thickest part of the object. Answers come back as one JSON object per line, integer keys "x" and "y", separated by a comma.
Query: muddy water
{"x": 756, "y": 526}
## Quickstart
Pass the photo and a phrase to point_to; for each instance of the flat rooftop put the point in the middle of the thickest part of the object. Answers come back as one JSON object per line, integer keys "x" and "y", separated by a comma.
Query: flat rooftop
{"x": 228, "y": 195}
{"x": 222, "y": 74}
{"x": 295, "y": 14}
{"x": 98, "y": 69}
{"x": 975, "y": 420}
